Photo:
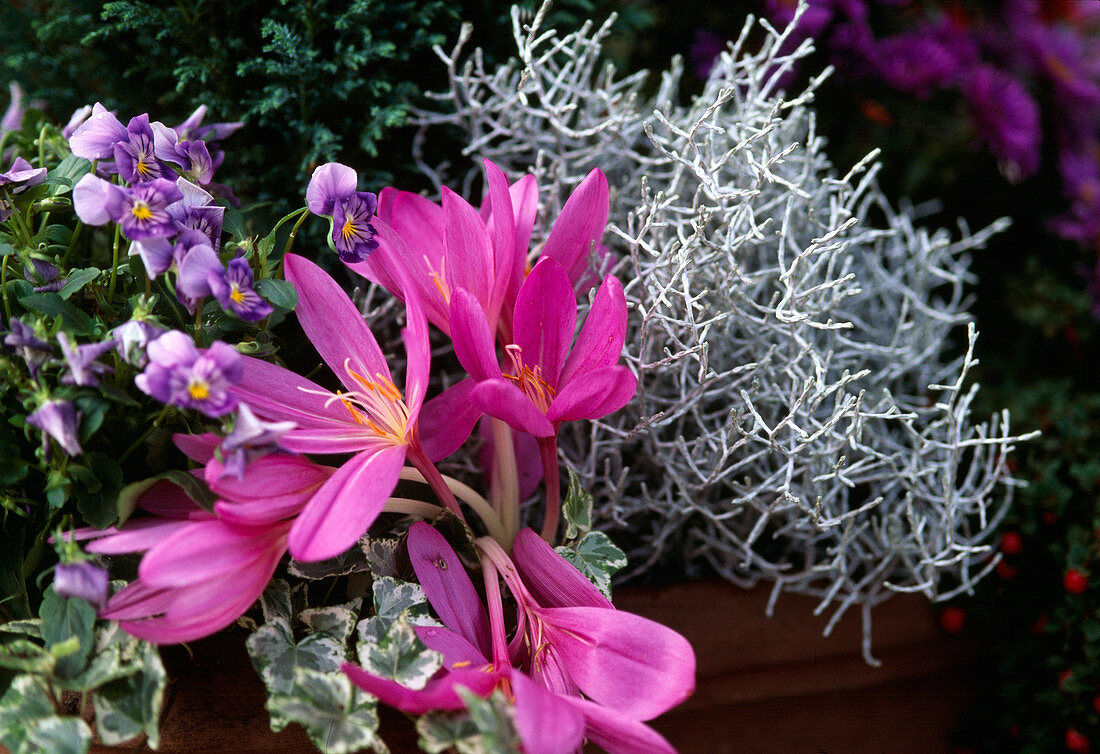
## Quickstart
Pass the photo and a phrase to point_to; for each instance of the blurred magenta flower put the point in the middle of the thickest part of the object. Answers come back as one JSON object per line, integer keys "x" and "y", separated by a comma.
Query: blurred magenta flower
{"x": 181, "y": 375}
{"x": 370, "y": 417}
{"x": 1006, "y": 119}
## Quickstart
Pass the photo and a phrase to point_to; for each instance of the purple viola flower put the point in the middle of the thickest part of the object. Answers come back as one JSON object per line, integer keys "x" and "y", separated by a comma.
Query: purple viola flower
{"x": 84, "y": 580}
{"x": 82, "y": 361}
{"x": 233, "y": 289}
{"x": 95, "y": 138}
{"x": 192, "y": 156}
{"x": 1006, "y": 119}
{"x": 76, "y": 120}
{"x": 181, "y": 375}
{"x": 132, "y": 337}
{"x": 141, "y": 210}
{"x": 135, "y": 158}
{"x": 44, "y": 273}
{"x": 13, "y": 116}
{"x": 198, "y": 265}
{"x": 19, "y": 177}
{"x": 197, "y": 210}
{"x": 331, "y": 193}
{"x": 250, "y": 439}
{"x": 22, "y": 341}
{"x": 59, "y": 420}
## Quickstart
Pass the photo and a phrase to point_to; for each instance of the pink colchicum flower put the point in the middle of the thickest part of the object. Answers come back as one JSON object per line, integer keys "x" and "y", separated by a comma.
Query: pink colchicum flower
{"x": 370, "y": 417}
{"x": 629, "y": 668}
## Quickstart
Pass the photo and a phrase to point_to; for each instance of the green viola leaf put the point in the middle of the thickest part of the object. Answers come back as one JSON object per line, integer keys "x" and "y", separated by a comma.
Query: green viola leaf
{"x": 66, "y": 173}
{"x": 278, "y": 293}
{"x": 397, "y": 653}
{"x": 52, "y": 305}
{"x": 98, "y": 501}
{"x": 597, "y": 558}
{"x": 77, "y": 279}
{"x": 29, "y": 724}
{"x": 338, "y": 717}
{"x": 64, "y": 619}
{"x": 577, "y": 508}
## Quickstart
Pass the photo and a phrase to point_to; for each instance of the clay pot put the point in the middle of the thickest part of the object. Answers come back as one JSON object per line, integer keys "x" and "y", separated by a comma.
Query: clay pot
{"x": 770, "y": 685}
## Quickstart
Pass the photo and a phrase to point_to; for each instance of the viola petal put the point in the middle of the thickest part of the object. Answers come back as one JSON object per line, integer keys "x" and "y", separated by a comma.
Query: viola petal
{"x": 552, "y": 580}
{"x": 437, "y": 694}
{"x": 621, "y": 660}
{"x": 500, "y": 398}
{"x": 329, "y": 183}
{"x": 334, "y": 325}
{"x": 601, "y": 392}
{"x": 603, "y": 333}
{"x": 447, "y": 585}
{"x": 96, "y": 136}
{"x": 579, "y": 226}
{"x": 347, "y": 504}
{"x": 544, "y": 318}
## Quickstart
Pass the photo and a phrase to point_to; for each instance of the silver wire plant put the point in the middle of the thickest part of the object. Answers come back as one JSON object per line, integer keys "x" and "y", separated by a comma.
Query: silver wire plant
{"x": 803, "y": 414}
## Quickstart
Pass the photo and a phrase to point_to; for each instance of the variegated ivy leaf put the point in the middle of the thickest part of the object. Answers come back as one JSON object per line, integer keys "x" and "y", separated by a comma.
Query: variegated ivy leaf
{"x": 130, "y": 706}
{"x": 382, "y": 556}
{"x": 280, "y": 601}
{"x": 31, "y": 627}
{"x": 397, "y": 653}
{"x": 28, "y": 723}
{"x": 394, "y": 598}
{"x": 25, "y": 656}
{"x": 486, "y": 727}
{"x": 116, "y": 655}
{"x": 353, "y": 560}
{"x": 597, "y": 558}
{"x": 338, "y": 717}
{"x": 63, "y": 620}
{"x": 577, "y": 508}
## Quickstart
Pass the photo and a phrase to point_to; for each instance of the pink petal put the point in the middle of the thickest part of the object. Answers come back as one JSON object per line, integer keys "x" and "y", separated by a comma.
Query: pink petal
{"x": 467, "y": 248}
{"x": 347, "y": 504}
{"x": 598, "y": 393}
{"x": 616, "y": 733}
{"x": 278, "y": 394}
{"x": 502, "y": 399}
{"x": 579, "y": 226}
{"x": 437, "y": 694}
{"x": 274, "y": 487}
{"x": 545, "y": 721}
{"x": 621, "y": 660}
{"x": 199, "y": 448}
{"x": 137, "y": 600}
{"x": 333, "y": 324}
{"x": 545, "y": 315}
{"x": 447, "y": 585}
{"x": 525, "y": 205}
{"x": 473, "y": 339}
{"x": 136, "y": 536}
{"x": 552, "y": 580}
{"x": 455, "y": 648}
{"x": 502, "y": 225}
{"x": 168, "y": 500}
{"x": 602, "y": 336}
{"x": 205, "y": 550}
{"x": 447, "y": 420}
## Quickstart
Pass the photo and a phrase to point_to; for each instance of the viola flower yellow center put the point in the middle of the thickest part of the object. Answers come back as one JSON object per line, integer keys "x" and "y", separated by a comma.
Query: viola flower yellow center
{"x": 199, "y": 390}
{"x": 235, "y": 293}
{"x": 141, "y": 211}
{"x": 530, "y": 380}
{"x": 349, "y": 230}
{"x": 144, "y": 169}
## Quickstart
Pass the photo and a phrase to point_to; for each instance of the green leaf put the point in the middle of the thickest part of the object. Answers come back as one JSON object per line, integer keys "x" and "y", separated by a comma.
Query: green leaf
{"x": 52, "y": 305}
{"x": 577, "y": 508}
{"x": 338, "y": 717}
{"x": 278, "y": 293}
{"x": 66, "y": 173}
{"x": 233, "y": 222}
{"x": 98, "y": 503}
{"x": 382, "y": 556}
{"x": 65, "y": 618}
{"x": 61, "y": 735}
{"x": 130, "y": 706}
{"x": 494, "y": 721}
{"x": 77, "y": 279}
{"x": 27, "y": 657}
{"x": 398, "y": 653}
{"x": 394, "y": 598}
{"x": 353, "y": 560}
{"x": 441, "y": 731}
{"x": 597, "y": 558}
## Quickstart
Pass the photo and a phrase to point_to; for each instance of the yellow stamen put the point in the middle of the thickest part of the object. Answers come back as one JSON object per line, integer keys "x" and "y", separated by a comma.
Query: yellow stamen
{"x": 235, "y": 294}
{"x": 348, "y": 230}
{"x": 530, "y": 380}
{"x": 462, "y": 664}
{"x": 141, "y": 211}
{"x": 199, "y": 390}
{"x": 144, "y": 169}
{"x": 439, "y": 278}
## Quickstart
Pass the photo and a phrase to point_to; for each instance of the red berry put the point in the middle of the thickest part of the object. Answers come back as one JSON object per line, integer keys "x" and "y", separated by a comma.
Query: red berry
{"x": 1012, "y": 543}
{"x": 952, "y": 619}
{"x": 1075, "y": 582}
{"x": 1075, "y": 741}
{"x": 1004, "y": 570}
